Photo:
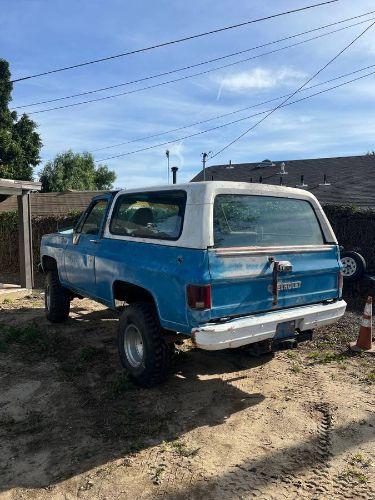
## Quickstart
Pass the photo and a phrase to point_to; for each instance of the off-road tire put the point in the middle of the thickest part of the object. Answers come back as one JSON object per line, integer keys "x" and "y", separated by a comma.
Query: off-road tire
{"x": 156, "y": 354}
{"x": 56, "y": 299}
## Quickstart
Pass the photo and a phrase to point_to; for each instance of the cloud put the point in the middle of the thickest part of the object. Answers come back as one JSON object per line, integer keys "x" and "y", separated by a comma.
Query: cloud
{"x": 260, "y": 78}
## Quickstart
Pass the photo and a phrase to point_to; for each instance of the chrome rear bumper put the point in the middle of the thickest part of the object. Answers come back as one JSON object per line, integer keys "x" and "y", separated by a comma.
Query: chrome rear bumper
{"x": 247, "y": 330}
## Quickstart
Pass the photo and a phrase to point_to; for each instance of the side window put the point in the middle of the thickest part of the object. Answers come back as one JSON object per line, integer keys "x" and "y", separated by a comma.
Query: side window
{"x": 94, "y": 219}
{"x": 149, "y": 215}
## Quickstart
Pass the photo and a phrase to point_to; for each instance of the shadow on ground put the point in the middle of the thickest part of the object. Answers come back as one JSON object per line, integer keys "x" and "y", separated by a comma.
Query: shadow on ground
{"x": 66, "y": 406}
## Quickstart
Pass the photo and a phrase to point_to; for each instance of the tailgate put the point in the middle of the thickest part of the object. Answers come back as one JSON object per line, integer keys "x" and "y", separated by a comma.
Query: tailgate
{"x": 245, "y": 282}
{"x": 269, "y": 253}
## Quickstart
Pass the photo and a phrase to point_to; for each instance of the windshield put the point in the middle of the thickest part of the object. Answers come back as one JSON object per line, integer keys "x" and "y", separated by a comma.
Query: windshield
{"x": 247, "y": 220}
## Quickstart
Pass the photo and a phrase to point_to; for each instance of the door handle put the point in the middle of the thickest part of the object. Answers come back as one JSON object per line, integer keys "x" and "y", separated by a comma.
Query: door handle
{"x": 94, "y": 241}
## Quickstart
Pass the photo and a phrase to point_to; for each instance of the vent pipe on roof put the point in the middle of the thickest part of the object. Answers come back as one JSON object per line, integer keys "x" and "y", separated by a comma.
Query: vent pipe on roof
{"x": 325, "y": 182}
{"x": 302, "y": 185}
{"x": 282, "y": 169}
{"x": 265, "y": 163}
{"x": 174, "y": 174}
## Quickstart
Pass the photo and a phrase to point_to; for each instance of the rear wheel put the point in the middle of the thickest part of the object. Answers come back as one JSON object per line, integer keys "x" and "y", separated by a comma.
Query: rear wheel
{"x": 143, "y": 350}
{"x": 56, "y": 299}
{"x": 354, "y": 266}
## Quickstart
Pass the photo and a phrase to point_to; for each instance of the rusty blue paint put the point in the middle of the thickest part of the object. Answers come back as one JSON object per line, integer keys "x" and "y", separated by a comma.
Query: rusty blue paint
{"x": 243, "y": 284}
{"x": 240, "y": 285}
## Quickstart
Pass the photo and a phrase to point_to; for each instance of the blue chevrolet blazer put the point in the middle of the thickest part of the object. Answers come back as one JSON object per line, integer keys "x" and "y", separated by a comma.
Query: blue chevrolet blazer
{"x": 228, "y": 264}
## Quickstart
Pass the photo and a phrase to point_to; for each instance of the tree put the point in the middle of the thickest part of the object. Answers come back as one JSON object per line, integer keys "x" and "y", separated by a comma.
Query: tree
{"x": 77, "y": 171}
{"x": 19, "y": 142}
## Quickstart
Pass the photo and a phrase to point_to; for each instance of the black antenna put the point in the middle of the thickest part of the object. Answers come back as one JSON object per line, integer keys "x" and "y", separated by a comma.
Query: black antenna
{"x": 261, "y": 179}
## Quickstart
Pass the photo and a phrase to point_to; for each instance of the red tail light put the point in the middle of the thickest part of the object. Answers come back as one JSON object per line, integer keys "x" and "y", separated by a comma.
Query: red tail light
{"x": 199, "y": 296}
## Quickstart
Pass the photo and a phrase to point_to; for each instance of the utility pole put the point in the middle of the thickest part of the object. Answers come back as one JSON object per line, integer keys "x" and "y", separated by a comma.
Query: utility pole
{"x": 167, "y": 155}
{"x": 204, "y": 160}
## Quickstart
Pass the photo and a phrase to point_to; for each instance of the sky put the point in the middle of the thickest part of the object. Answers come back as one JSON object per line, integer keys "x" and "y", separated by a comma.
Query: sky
{"x": 39, "y": 35}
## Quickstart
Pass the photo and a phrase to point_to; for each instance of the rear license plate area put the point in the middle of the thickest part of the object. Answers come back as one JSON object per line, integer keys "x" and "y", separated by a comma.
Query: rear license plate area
{"x": 285, "y": 330}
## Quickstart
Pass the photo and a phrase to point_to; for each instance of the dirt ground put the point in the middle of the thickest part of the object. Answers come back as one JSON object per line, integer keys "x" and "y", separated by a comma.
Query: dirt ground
{"x": 296, "y": 424}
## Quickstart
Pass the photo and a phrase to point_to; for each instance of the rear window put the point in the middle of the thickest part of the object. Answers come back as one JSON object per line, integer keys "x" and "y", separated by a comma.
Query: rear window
{"x": 247, "y": 220}
{"x": 149, "y": 215}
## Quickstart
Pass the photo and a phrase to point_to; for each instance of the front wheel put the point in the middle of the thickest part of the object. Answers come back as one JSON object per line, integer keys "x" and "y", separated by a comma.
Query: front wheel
{"x": 56, "y": 299}
{"x": 142, "y": 347}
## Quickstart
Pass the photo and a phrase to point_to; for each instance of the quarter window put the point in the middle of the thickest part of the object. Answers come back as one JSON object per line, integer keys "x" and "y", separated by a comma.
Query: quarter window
{"x": 149, "y": 215}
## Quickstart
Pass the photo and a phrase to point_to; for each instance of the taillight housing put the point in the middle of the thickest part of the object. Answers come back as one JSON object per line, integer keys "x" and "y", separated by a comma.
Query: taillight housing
{"x": 199, "y": 296}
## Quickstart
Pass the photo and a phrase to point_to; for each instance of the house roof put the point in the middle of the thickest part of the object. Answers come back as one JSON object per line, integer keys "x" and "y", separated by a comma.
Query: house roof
{"x": 351, "y": 179}
{"x": 10, "y": 187}
{"x": 44, "y": 204}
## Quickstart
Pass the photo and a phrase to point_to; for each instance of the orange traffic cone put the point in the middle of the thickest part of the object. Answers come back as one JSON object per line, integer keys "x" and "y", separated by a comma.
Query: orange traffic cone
{"x": 364, "y": 340}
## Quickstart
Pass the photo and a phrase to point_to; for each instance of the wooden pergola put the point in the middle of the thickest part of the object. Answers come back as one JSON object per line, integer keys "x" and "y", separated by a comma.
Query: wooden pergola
{"x": 22, "y": 190}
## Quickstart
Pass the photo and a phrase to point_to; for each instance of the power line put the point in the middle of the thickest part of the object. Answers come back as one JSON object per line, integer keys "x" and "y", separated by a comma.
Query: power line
{"x": 179, "y": 40}
{"x": 294, "y": 93}
{"x": 229, "y": 113}
{"x": 160, "y": 84}
{"x": 102, "y": 89}
{"x": 235, "y": 121}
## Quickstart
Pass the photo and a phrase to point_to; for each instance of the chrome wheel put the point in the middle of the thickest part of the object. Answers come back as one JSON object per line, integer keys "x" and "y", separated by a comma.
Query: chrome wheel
{"x": 349, "y": 266}
{"x": 133, "y": 346}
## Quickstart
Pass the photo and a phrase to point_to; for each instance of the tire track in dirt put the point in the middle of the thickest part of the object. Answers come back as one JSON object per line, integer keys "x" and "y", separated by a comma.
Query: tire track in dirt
{"x": 319, "y": 481}
{"x": 284, "y": 482}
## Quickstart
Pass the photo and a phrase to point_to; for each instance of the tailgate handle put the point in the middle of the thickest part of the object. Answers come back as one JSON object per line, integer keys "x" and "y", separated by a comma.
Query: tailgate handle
{"x": 278, "y": 266}
{"x": 284, "y": 266}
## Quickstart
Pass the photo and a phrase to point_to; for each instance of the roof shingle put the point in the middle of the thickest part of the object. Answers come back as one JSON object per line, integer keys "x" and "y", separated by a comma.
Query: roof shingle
{"x": 351, "y": 178}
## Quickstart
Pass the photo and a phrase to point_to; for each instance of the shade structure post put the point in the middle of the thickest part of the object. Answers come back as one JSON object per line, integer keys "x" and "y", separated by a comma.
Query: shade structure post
{"x": 25, "y": 241}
